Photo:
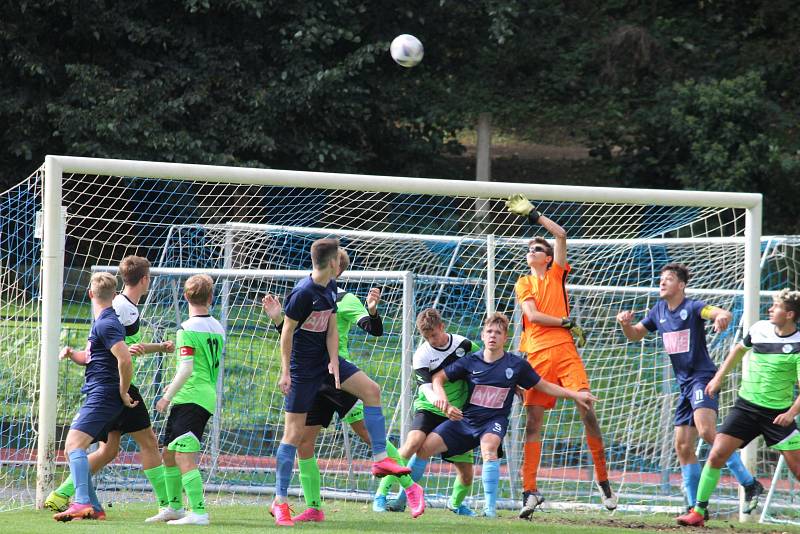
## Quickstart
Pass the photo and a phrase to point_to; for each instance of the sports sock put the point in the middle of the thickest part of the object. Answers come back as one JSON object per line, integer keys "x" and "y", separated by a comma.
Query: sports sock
{"x": 67, "y": 488}
{"x": 93, "y": 499}
{"x": 490, "y": 477}
{"x": 460, "y": 491}
{"x": 709, "y": 479}
{"x": 691, "y": 477}
{"x": 417, "y": 466}
{"x": 156, "y": 477}
{"x": 310, "y": 481}
{"x": 738, "y": 469}
{"x": 172, "y": 480}
{"x": 285, "y": 461}
{"x": 391, "y": 451}
{"x": 193, "y": 486}
{"x": 388, "y": 481}
{"x": 530, "y": 464}
{"x": 376, "y": 426}
{"x": 79, "y": 469}
{"x": 598, "y": 457}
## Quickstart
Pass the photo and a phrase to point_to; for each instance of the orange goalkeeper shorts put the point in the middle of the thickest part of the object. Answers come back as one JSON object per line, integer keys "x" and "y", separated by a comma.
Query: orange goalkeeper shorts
{"x": 560, "y": 365}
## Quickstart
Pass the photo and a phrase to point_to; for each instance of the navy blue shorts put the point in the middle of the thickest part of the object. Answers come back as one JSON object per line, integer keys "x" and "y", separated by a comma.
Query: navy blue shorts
{"x": 304, "y": 390}
{"x": 100, "y": 409}
{"x": 460, "y": 436}
{"x": 692, "y": 397}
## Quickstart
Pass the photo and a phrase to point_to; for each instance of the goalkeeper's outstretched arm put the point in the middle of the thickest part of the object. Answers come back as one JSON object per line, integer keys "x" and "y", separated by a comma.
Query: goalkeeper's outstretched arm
{"x": 523, "y": 207}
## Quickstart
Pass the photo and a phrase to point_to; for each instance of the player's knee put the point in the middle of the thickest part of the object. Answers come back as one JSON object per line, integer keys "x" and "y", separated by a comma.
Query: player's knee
{"x": 489, "y": 455}
{"x": 708, "y": 435}
{"x": 717, "y": 458}
{"x": 372, "y": 394}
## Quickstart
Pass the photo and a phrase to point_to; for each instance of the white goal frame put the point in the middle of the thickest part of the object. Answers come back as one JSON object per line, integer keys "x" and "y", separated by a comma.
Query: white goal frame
{"x": 54, "y": 231}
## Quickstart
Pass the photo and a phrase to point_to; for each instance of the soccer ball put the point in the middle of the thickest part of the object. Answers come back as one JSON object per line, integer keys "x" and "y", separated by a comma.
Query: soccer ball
{"x": 406, "y": 50}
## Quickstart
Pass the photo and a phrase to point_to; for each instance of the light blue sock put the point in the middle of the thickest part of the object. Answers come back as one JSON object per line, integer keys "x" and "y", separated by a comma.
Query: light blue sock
{"x": 376, "y": 426}
{"x": 93, "y": 497}
{"x": 79, "y": 469}
{"x": 738, "y": 469}
{"x": 490, "y": 477}
{"x": 417, "y": 466}
{"x": 285, "y": 466}
{"x": 691, "y": 478}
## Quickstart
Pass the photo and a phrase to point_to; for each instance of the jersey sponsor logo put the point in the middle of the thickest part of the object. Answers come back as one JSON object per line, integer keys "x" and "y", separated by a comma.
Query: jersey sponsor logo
{"x": 459, "y": 352}
{"x": 509, "y": 372}
{"x": 676, "y": 342}
{"x": 317, "y": 321}
{"x": 684, "y": 314}
{"x": 187, "y": 351}
{"x": 489, "y": 396}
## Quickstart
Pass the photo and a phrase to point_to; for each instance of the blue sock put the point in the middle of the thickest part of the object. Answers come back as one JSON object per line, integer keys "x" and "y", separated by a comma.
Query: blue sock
{"x": 490, "y": 477}
{"x": 738, "y": 469}
{"x": 691, "y": 478}
{"x": 376, "y": 426}
{"x": 79, "y": 469}
{"x": 417, "y": 466}
{"x": 285, "y": 461}
{"x": 93, "y": 497}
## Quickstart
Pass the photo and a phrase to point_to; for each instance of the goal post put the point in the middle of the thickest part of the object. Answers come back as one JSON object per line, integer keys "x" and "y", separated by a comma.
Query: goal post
{"x": 609, "y": 231}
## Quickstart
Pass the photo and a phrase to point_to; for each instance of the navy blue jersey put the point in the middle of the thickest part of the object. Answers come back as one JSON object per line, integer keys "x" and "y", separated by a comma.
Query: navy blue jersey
{"x": 312, "y": 306}
{"x": 102, "y": 370}
{"x": 491, "y": 385}
{"x": 684, "y": 335}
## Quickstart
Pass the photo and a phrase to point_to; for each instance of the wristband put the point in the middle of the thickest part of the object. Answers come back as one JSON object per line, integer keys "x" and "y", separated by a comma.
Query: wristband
{"x": 533, "y": 216}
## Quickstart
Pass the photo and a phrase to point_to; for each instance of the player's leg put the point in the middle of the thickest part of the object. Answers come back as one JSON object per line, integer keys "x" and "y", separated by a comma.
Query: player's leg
{"x": 172, "y": 473}
{"x": 490, "y": 476}
{"x": 310, "y": 478}
{"x": 463, "y": 485}
{"x": 792, "y": 458}
{"x": 535, "y": 403}
{"x": 190, "y": 428}
{"x": 152, "y": 465}
{"x": 685, "y": 433}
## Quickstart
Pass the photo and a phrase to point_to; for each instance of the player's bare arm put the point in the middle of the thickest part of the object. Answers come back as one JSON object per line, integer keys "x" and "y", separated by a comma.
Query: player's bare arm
{"x": 77, "y": 356}
{"x": 272, "y": 307}
{"x": 634, "y": 332}
{"x": 788, "y": 417}
{"x": 720, "y": 317}
{"x": 440, "y": 396}
{"x": 735, "y": 356}
{"x": 332, "y": 342}
{"x": 140, "y": 349}
{"x": 125, "y": 366}
{"x": 583, "y": 397}
{"x": 287, "y": 334}
{"x": 373, "y": 298}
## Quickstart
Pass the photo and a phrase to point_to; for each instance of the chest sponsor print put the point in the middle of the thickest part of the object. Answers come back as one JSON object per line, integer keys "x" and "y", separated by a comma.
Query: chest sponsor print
{"x": 489, "y": 396}
{"x": 317, "y": 321}
{"x": 676, "y": 342}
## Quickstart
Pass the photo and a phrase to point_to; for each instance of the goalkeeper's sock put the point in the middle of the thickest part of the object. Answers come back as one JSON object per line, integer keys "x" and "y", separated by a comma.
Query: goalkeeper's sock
{"x": 530, "y": 464}
{"x": 285, "y": 461}
{"x": 310, "y": 481}
{"x": 490, "y": 477}
{"x": 67, "y": 488}
{"x": 376, "y": 426}
{"x": 460, "y": 491}
{"x": 690, "y": 473}
{"x": 738, "y": 469}
{"x": 709, "y": 479}
{"x": 156, "y": 477}
{"x": 172, "y": 480}
{"x": 598, "y": 457}
{"x": 193, "y": 486}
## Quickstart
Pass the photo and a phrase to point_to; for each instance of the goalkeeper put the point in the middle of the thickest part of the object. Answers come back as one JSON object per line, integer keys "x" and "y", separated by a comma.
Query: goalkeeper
{"x": 547, "y": 339}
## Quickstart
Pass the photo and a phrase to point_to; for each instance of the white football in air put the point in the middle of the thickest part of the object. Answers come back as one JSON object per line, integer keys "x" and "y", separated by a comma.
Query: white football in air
{"x": 406, "y": 50}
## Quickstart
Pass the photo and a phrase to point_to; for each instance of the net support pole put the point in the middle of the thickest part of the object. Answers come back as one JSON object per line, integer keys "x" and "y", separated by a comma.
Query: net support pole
{"x": 409, "y": 314}
{"x": 750, "y": 309}
{"x": 225, "y": 298}
{"x": 51, "y": 294}
{"x": 490, "y": 274}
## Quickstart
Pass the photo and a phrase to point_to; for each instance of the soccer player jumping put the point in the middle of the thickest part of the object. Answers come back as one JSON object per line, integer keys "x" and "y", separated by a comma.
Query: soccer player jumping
{"x": 681, "y": 322}
{"x": 547, "y": 339}
{"x": 766, "y": 404}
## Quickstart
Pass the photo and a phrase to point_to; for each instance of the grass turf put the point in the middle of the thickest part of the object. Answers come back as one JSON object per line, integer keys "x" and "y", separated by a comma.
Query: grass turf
{"x": 356, "y": 518}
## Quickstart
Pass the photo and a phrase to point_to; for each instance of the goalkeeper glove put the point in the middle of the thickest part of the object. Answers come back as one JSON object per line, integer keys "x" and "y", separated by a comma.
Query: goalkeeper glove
{"x": 578, "y": 334}
{"x": 521, "y": 206}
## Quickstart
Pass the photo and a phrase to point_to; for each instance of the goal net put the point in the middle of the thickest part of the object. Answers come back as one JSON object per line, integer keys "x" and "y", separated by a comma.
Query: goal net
{"x": 426, "y": 243}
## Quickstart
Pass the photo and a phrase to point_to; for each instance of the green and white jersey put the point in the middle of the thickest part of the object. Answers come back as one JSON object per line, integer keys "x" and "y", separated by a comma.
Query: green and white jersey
{"x": 201, "y": 339}
{"x": 773, "y": 368}
{"x": 128, "y": 314}
{"x": 428, "y": 360}
{"x": 348, "y": 312}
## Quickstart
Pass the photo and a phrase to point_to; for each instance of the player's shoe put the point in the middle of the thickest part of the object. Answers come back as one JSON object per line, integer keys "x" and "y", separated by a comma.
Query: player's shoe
{"x": 379, "y": 503}
{"x": 389, "y": 466}
{"x": 706, "y": 515}
{"x": 282, "y": 514}
{"x": 416, "y": 500}
{"x": 309, "y": 515}
{"x": 166, "y": 514}
{"x": 461, "y": 509}
{"x": 100, "y": 516}
{"x": 191, "y": 519}
{"x": 610, "y": 499}
{"x": 491, "y": 513}
{"x": 530, "y": 501}
{"x": 395, "y": 505}
{"x": 76, "y": 511}
{"x": 751, "y": 495}
{"x": 56, "y": 502}
{"x": 691, "y": 519}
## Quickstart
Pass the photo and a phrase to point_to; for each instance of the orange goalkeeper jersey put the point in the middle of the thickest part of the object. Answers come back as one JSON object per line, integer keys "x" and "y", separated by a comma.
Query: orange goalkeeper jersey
{"x": 550, "y": 296}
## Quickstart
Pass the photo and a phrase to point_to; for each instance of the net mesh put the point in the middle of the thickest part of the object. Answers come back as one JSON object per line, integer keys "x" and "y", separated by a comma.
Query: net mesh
{"x": 616, "y": 252}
